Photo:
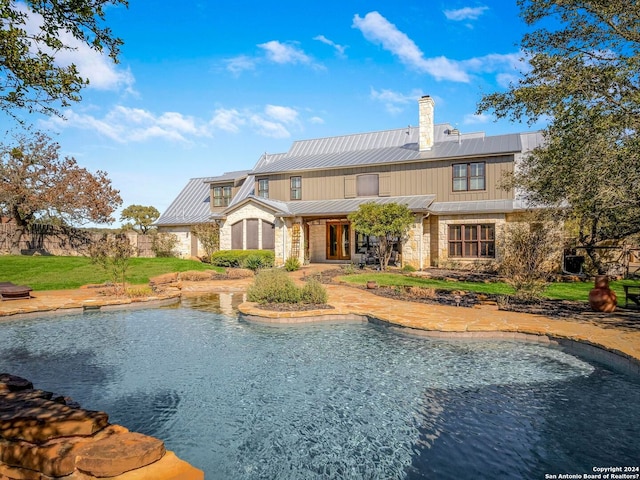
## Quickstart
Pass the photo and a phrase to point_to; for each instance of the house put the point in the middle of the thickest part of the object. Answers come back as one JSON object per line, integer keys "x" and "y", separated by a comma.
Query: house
{"x": 296, "y": 203}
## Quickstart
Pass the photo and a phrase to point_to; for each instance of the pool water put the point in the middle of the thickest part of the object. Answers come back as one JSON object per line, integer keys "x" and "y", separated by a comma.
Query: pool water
{"x": 343, "y": 400}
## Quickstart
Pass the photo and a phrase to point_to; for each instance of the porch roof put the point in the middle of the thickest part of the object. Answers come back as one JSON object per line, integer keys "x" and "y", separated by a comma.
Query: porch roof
{"x": 316, "y": 208}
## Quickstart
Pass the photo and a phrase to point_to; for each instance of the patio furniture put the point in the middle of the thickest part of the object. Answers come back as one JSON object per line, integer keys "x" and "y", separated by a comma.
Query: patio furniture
{"x": 631, "y": 292}
{"x": 10, "y": 291}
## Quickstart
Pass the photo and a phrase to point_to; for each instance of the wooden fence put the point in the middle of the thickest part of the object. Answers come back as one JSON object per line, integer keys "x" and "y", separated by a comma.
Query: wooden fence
{"x": 53, "y": 240}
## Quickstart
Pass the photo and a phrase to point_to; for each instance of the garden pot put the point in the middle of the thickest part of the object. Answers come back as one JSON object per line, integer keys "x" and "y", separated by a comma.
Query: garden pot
{"x": 601, "y": 297}
{"x": 371, "y": 284}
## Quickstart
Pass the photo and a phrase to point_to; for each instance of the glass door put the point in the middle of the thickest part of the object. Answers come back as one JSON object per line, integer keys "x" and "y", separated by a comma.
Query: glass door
{"x": 338, "y": 244}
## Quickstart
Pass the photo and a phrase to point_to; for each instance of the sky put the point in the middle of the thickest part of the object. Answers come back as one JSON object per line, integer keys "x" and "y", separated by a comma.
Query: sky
{"x": 207, "y": 87}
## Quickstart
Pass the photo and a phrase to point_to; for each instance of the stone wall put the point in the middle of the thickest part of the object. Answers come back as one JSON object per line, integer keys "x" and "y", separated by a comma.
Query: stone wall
{"x": 45, "y": 437}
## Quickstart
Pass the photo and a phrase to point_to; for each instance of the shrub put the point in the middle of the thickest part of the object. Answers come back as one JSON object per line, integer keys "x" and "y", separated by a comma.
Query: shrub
{"x": 139, "y": 291}
{"x": 408, "y": 268}
{"x": 529, "y": 251}
{"x": 273, "y": 286}
{"x": 314, "y": 292}
{"x": 236, "y": 258}
{"x": 196, "y": 275}
{"x": 164, "y": 244}
{"x": 254, "y": 262}
{"x": 292, "y": 264}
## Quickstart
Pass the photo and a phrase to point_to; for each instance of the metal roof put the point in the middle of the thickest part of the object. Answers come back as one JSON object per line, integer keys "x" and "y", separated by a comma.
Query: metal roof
{"x": 306, "y": 208}
{"x": 192, "y": 205}
{"x": 458, "y": 146}
{"x": 230, "y": 176}
{"x": 479, "y": 206}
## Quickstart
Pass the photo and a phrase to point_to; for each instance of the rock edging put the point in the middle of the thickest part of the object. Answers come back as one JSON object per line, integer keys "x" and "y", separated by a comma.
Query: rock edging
{"x": 45, "y": 437}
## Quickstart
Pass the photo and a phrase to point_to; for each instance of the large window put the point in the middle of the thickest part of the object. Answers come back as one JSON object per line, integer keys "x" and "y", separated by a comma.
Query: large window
{"x": 221, "y": 196}
{"x": 263, "y": 188}
{"x": 367, "y": 185}
{"x": 472, "y": 241}
{"x": 296, "y": 188}
{"x": 468, "y": 176}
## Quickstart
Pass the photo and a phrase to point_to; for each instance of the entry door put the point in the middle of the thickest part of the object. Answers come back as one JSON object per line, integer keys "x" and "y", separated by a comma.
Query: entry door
{"x": 338, "y": 246}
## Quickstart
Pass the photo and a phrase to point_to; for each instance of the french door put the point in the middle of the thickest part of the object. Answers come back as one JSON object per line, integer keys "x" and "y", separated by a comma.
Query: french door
{"x": 338, "y": 243}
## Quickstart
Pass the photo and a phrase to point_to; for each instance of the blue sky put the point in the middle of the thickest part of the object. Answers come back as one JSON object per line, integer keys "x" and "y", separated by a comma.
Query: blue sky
{"x": 206, "y": 87}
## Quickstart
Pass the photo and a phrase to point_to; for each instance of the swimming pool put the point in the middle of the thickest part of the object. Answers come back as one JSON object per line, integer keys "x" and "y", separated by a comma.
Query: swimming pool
{"x": 350, "y": 400}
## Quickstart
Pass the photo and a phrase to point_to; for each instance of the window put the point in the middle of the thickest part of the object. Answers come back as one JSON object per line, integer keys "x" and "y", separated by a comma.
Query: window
{"x": 468, "y": 176}
{"x": 296, "y": 188}
{"x": 472, "y": 241}
{"x": 263, "y": 188}
{"x": 221, "y": 196}
{"x": 367, "y": 185}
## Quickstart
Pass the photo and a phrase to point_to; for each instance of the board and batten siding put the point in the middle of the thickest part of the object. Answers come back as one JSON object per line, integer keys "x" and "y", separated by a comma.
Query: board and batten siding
{"x": 419, "y": 178}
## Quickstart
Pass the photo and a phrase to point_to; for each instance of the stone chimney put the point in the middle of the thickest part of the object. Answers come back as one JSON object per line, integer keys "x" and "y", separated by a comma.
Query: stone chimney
{"x": 426, "y": 105}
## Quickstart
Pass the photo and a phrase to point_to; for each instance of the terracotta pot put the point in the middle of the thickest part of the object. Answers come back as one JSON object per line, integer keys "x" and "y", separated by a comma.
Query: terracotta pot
{"x": 371, "y": 284}
{"x": 601, "y": 297}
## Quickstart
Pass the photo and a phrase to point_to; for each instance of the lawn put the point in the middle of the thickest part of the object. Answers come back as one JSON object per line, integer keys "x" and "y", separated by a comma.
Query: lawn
{"x": 60, "y": 273}
{"x": 578, "y": 291}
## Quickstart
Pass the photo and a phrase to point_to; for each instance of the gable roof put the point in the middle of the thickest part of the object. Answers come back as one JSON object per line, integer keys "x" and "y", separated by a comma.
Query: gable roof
{"x": 192, "y": 205}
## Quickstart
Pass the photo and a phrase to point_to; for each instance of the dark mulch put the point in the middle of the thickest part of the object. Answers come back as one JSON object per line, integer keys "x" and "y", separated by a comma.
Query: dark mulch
{"x": 294, "y": 307}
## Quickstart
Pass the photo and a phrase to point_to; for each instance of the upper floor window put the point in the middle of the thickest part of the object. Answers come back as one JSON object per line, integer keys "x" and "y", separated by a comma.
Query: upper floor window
{"x": 367, "y": 185}
{"x": 472, "y": 241}
{"x": 468, "y": 176}
{"x": 221, "y": 196}
{"x": 296, "y": 188}
{"x": 263, "y": 188}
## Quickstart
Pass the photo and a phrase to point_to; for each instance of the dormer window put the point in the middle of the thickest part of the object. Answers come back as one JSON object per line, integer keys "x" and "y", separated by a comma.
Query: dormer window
{"x": 221, "y": 196}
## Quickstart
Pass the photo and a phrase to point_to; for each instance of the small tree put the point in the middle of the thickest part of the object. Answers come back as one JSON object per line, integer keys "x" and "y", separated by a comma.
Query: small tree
{"x": 113, "y": 255}
{"x": 209, "y": 236}
{"x": 389, "y": 222}
{"x": 529, "y": 257}
{"x": 141, "y": 218}
{"x": 164, "y": 244}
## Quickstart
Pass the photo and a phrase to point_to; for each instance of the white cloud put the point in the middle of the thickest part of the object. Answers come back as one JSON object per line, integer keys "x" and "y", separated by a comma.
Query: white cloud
{"x": 339, "y": 48}
{"x": 102, "y": 73}
{"x": 467, "y": 13}
{"x": 125, "y": 124}
{"x": 395, "y": 102}
{"x": 284, "y": 53}
{"x": 475, "y": 119}
{"x": 378, "y": 29}
{"x": 240, "y": 63}
{"x": 228, "y": 120}
{"x": 268, "y": 128}
{"x": 316, "y": 120}
{"x": 282, "y": 114}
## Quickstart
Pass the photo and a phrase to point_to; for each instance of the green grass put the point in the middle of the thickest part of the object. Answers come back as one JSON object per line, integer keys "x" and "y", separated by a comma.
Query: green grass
{"x": 60, "y": 273}
{"x": 578, "y": 291}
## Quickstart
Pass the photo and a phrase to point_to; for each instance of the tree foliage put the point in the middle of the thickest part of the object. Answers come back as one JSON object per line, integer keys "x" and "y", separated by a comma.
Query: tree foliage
{"x": 141, "y": 218}
{"x": 585, "y": 78}
{"x": 113, "y": 254}
{"x": 530, "y": 255}
{"x": 208, "y": 235}
{"x": 30, "y": 76}
{"x": 388, "y": 222}
{"x": 36, "y": 183}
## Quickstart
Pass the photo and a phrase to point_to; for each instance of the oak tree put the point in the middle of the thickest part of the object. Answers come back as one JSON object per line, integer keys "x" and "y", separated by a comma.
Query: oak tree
{"x": 141, "y": 218}
{"x": 32, "y": 34}
{"x": 35, "y": 182}
{"x": 584, "y": 77}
